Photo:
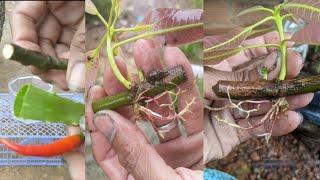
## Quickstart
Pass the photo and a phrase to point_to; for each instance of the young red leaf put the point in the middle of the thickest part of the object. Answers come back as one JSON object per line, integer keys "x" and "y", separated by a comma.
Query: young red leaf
{"x": 308, "y": 10}
{"x": 164, "y": 18}
{"x": 308, "y": 34}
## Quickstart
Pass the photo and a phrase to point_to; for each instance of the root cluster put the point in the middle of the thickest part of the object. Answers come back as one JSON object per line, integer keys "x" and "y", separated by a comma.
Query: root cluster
{"x": 174, "y": 117}
{"x": 279, "y": 106}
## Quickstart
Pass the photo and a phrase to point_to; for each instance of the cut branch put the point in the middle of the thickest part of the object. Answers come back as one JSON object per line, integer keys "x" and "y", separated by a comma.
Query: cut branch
{"x": 28, "y": 57}
{"x": 266, "y": 89}
{"x": 166, "y": 80}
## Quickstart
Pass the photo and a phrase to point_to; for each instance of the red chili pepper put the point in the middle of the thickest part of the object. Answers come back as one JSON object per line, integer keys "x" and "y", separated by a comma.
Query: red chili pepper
{"x": 55, "y": 148}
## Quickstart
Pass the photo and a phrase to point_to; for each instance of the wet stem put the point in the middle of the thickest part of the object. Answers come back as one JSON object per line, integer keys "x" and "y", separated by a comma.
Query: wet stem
{"x": 283, "y": 44}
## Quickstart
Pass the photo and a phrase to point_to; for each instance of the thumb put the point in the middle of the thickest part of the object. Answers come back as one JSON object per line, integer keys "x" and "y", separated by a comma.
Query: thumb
{"x": 134, "y": 152}
{"x": 77, "y": 59}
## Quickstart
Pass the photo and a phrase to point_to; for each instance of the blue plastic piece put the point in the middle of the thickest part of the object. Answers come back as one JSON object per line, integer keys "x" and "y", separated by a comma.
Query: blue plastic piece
{"x": 312, "y": 111}
{"x": 28, "y": 133}
{"x": 212, "y": 174}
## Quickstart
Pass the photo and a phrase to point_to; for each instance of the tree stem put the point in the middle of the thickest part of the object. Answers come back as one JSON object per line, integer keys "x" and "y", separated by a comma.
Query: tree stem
{"x": 266, "y": 89}
{"x": 28, "y": 57}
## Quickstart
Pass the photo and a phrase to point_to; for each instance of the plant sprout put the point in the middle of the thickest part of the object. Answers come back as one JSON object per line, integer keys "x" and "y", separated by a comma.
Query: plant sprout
{"x": 176, "y": 27}
{"x": 309, "y": 11}
{"x": 222, "y": 47}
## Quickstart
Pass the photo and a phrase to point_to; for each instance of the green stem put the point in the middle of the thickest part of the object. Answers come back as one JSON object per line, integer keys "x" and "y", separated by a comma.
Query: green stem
{"x": 27, "y": 57}
{"x": 283, "y": 44}
{"x": 163, "y": 31}
{"x": 165, "y": 81}
{"x": 114, "y": 66}
{"x": 113, "y": 102}
{"x": 246, "y": 30}
{"x": 116, "y": 13}
{"x": 102, "y": 19}
{"x": 136, "y": 28}
{"x": 110, "y": 17}
{"x": 237, "y": 50}
{"x": 97, "y": 49}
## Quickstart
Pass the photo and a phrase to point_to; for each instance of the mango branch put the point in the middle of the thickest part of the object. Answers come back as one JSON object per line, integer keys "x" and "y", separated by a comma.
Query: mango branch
{"x": 242, "y": 90}
{"x": 156, "y": 82}
{"x": 28, "y": 57}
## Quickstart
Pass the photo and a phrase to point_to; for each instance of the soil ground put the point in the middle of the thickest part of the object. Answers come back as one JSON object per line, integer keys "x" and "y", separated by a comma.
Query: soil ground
{"x": 282, "y": 158}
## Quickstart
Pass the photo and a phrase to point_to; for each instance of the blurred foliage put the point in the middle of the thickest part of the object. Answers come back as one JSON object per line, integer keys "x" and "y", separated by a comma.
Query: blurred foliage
{"x": 198, "y": 4}
{"x": 103, "y": 7}
{"x": 193, "y": 52}
{"x": 199, "y": 82}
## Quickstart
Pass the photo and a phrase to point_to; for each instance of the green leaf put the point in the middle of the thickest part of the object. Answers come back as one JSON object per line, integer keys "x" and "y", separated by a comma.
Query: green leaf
{"x": 308, "y": 10}
{"x": 37, "y": 104}
{"x": 90, "y": 8}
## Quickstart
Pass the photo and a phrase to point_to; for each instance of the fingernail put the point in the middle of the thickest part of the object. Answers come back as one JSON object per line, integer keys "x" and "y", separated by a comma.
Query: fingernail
{"x": 301, "y": 118}
{"x": 76, "y": 80}
{"x": 105, "y": 124}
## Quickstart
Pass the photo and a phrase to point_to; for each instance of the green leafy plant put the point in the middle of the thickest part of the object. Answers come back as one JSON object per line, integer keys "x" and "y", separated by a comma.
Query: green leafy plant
{"x": 218, "y": 48}
{"x": 174, "y": 26}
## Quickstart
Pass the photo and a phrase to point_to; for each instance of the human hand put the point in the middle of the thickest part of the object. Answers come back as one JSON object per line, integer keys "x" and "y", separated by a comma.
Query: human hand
{"x": 226, "y": 137}
{"x": 56, "y": 29}
{"x": 129, "y": 141}
{"x": 75, "y": 159}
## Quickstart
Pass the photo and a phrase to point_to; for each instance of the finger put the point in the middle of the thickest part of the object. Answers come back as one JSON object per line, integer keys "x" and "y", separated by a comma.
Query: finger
{"x": 94, "y": 93}
{"x": 135, "y": 154}
{"x": 62, "y": 51}
{"x": 295, "y": 102}
{"x": 147, "y": 59}
{"x": 69, "y": 13}
{"x": 112, "y": 85}
{"x": 182, "y": 152}
{"x": 253, "y": 53}
{"x": 23, "y": 20}
{"x": 272, "y": 63}
{"x": 48, "y": 33}
{"x": 76, "y": 165}
{"x": 55, "y": 77}
{"x": 76, "y": 64}
{"x": 66, "y": 36}
{"x": 212, "y": 146}
{"x": 286, "y": 123}
{"x": 106, "y": 157}
{"x": 75, "y": 160}
{"x": 47, "y": 40}
{"x": 189, "y": 91}
{"x": 226, "y": 136}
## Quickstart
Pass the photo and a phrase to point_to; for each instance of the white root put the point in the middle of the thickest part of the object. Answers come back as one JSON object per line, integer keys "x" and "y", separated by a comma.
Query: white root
{"x": 272, "y": 115}
{"x": 151, "y": 115}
